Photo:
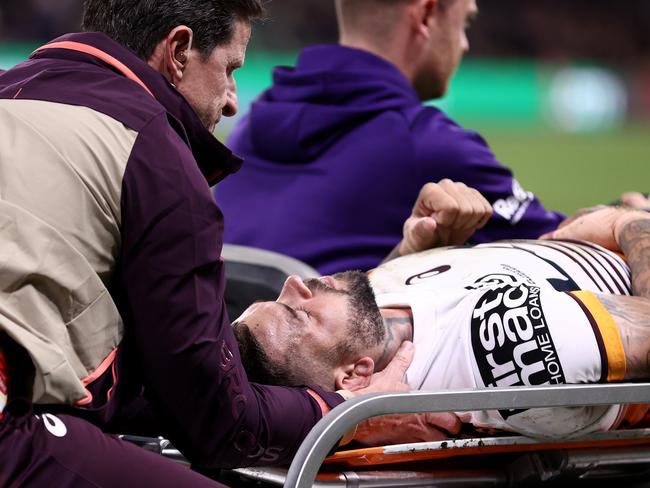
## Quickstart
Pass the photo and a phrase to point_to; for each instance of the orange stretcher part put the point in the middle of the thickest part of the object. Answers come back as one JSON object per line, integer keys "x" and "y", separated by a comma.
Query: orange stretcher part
{"x": 409, "y": 453}
{"x": 633, "y": 416}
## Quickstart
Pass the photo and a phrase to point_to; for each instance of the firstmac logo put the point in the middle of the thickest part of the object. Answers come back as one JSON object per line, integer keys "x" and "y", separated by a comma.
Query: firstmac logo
{"x": 511, "y": 341}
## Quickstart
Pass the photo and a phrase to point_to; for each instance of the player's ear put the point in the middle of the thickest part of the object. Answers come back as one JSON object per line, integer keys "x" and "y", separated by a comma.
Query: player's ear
{"x": 355, "y": 375}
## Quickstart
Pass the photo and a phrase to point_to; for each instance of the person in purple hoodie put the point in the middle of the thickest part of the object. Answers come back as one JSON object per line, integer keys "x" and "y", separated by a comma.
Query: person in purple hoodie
{"x": 338, "y": 147}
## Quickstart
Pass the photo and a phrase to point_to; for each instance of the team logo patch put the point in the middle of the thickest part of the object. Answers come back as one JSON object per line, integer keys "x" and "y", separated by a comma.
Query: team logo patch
{"x": 514, "y": 207}
{"x": 511, "y": 341}
{"x": 54, "y": 425}
{"x": 492, "y": 280}
{"x": 427, "y": 274}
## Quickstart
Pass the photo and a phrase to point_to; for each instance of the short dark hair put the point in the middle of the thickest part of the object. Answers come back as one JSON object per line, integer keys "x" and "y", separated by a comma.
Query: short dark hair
{"x": 259, "y": 368}
{"x": 141, "y": 24}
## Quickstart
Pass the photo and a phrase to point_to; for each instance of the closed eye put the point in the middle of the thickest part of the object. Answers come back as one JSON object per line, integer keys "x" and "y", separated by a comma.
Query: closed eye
{"x": 305, "y": 311}
{"x": 294, "y": 312}
{"x": 291, "y": 311}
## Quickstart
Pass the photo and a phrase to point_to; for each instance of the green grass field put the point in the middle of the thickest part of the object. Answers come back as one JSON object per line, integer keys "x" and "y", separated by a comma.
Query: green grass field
{"x": 571, "y": 171}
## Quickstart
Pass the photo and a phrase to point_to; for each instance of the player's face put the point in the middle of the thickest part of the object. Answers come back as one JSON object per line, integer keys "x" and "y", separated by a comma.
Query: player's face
{"x": 446, "y": 46}
{"x": 307, "y": 316}
{"x": 209, "y": 84}
{"x": 308, "y": 323}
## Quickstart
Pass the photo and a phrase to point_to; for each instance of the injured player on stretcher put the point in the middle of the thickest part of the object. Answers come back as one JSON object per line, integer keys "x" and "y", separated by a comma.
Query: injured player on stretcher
{"x": 510, "y": 313}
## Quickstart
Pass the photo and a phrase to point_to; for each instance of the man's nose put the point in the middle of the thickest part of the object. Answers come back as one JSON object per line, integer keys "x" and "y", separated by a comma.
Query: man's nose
{"x": 232, "y": 103}
{"x": 294, "y": 288}
{"x": 465, "y": 43}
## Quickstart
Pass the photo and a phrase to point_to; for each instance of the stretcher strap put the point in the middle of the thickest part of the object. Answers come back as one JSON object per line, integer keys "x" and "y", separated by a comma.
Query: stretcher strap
{"x": 4, "y": 381}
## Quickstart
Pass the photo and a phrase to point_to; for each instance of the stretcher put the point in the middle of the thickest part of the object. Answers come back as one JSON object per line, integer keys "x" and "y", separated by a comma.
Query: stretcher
{"x": 616, "y": 458}
{"x": 509, "y": 460}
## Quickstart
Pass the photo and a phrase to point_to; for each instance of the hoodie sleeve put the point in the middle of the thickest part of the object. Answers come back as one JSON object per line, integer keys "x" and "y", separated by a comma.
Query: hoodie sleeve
{"x": 173, "y": 281}
{"x": 446, "y": 150}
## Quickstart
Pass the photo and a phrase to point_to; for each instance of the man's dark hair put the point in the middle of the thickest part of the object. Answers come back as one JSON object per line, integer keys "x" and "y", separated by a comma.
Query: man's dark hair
{"x": 259, "y": 368}
{"x": 141, "y": 24}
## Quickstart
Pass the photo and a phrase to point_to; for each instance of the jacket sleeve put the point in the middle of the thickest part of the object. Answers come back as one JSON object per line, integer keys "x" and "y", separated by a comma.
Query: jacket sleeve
{"x": 173, "y": 283}
{"x": 446, "y": 150}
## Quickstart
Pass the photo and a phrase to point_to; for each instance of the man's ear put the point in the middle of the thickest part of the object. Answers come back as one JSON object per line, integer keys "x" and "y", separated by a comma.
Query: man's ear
{"x": 175, "y": 53}
{"x": 355, "y": 376}
{"x": 422, "y": 14}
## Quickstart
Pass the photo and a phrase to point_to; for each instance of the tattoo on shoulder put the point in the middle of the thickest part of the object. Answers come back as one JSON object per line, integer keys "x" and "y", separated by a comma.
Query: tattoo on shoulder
{"x": 631, "y": 309}
{"x": 632, "y": 318}
{"x": 635, "y": 243}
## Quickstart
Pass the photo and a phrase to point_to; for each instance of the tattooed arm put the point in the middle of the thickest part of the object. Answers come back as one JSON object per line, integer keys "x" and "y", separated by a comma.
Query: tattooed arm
{"x": 627, "y": 231}
{"x": 602, "y": 225}
{"x": 617, "y": 229}
{"x": 632, "y": 233}
{"x": 632, "y": 318}
{"x": 632, "y": 314}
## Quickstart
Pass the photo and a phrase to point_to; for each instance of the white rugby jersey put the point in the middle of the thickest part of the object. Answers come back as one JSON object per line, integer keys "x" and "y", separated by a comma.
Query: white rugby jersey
{"x": 509, "y": 314}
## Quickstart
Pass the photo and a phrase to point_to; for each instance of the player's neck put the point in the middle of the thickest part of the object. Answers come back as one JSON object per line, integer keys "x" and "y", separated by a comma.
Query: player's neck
{"x": 399, "y": 328}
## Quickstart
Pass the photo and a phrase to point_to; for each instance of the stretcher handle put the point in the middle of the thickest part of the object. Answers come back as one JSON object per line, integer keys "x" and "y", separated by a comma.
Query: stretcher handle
{"x": 330, "y": 429}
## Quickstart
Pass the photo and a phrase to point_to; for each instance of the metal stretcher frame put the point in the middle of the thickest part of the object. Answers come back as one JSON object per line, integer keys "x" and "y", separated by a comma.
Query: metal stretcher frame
{"x": 327, "y": 433}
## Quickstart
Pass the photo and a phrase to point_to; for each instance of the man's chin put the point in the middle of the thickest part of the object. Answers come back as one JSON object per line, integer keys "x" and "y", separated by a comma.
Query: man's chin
{"x": 432, "y": 93}
{"x": 210, "y": 124}
{"x": 357, "y": 281}
{"x": 350, "y": 277}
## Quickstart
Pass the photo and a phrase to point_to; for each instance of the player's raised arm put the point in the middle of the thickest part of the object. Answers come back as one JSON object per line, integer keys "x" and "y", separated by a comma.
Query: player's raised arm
{"x": 617, "y": 229}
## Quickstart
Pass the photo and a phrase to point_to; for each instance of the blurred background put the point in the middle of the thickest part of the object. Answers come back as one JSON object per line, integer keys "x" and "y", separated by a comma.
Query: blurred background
{"x": 559, "y": 88}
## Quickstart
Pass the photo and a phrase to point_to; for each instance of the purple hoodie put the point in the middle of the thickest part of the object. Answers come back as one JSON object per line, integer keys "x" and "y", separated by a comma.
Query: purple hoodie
{"x": 335, "y": 155}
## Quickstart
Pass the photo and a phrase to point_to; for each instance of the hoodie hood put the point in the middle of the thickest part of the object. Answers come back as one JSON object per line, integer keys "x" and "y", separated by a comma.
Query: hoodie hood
{"x": 331, "y": 90}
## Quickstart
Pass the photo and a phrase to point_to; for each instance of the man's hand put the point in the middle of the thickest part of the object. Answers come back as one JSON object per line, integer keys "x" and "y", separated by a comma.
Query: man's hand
{"x": 580, "y": 213}
{"x": 401, "y": 429}
{"x": 635, "y": 200}
{"x": 445, "y": 214}
{"x": 392, "y": 429}
{"x": 391, "y": 378}
{"x": 600, "y": 226}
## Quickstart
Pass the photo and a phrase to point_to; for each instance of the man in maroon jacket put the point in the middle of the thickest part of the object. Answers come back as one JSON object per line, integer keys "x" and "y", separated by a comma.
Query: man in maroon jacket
{"x": 111, "y": 280}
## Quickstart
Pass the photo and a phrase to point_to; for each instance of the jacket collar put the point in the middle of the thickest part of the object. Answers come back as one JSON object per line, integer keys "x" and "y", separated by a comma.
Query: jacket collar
{"x": 213, "y": 158}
